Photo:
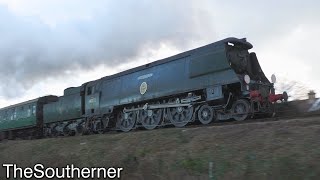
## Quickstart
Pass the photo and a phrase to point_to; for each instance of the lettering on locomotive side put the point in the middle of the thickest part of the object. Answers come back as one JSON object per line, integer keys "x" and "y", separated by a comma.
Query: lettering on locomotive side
{"x": 145, "y": 76}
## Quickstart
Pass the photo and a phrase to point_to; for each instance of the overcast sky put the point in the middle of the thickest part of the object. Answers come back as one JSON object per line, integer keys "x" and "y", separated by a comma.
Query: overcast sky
{"x": 49, "y": 45}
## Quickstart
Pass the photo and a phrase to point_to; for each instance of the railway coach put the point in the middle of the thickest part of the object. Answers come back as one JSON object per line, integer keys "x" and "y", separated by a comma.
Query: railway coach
{"x": 24, "y": 120}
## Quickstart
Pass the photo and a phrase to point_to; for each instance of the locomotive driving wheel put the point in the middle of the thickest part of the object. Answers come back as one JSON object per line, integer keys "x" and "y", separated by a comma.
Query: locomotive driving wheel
{"x": 126, "y": 121}
{"x": 240, "y": 110}
{"x": 151, "y": 118}
{"x": 205, "y": 114}
{"x": 180, "y": 116}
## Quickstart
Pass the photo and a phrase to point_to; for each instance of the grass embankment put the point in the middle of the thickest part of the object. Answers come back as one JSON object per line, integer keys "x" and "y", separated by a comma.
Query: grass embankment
{"x": 269, "y": 150}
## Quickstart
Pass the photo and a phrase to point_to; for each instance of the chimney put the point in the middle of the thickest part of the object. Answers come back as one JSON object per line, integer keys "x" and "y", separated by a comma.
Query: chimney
{"x": 311, "y": 95}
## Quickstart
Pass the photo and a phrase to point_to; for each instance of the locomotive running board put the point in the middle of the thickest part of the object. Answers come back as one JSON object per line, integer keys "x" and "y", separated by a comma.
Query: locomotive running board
{"x": 146, "y": 107}
{"x": 185, "y": 102}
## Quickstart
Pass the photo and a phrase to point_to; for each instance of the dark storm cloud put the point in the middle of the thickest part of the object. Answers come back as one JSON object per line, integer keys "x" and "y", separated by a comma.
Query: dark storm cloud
{"x": 31, "y": 51}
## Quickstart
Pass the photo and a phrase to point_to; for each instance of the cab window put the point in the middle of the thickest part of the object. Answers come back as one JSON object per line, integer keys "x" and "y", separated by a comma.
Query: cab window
{"x": 89, "y": 91}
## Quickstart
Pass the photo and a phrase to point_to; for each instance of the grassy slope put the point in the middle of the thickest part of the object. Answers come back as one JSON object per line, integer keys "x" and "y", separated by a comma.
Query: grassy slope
{"x": 273, "y": 150}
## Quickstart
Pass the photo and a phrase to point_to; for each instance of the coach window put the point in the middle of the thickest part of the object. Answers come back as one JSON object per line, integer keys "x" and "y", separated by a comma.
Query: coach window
{"x": 14, "y": 113}
{"x": 29, "y": 111}
{"x": 11, "y": 115}
{"x": 33, "y": 109}
{"x": 5, "y": 115}
{"x": 21, "y": 114}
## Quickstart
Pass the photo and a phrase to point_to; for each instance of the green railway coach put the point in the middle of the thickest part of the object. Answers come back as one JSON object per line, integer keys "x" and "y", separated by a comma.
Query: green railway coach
{"x": 24, "y": 119}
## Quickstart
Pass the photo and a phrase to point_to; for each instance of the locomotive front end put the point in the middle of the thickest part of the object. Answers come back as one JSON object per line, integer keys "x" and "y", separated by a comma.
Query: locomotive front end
{"x": 254, "y": 85}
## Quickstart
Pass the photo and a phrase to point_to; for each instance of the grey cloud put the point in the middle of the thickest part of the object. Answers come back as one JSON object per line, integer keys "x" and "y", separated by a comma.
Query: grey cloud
{"x": 262, "y": 21}
{"x": 31, "y": 51}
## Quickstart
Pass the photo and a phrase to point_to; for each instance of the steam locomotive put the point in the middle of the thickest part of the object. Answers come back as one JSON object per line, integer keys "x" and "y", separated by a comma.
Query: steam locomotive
{"x": 216, "y": 82}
